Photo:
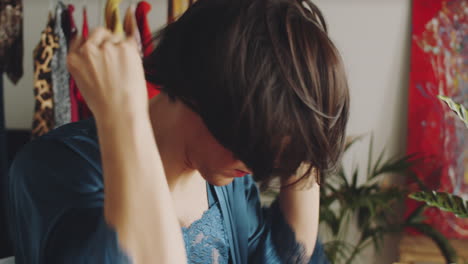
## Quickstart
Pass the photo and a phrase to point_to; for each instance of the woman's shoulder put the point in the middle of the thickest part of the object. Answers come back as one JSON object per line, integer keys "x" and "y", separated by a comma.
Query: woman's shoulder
{"x": 64, "y": 161}
{"x": 71, "y": 144}
{"x": 81, "y": 129}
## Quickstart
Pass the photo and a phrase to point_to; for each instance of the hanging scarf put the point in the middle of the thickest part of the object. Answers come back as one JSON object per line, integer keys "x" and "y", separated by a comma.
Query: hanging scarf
{"x": 60, "y": 75}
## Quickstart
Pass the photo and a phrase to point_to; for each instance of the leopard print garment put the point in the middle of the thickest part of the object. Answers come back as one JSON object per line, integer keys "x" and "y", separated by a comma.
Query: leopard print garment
{"x": 43, "y": 120}
{"x": 11, "y": 39}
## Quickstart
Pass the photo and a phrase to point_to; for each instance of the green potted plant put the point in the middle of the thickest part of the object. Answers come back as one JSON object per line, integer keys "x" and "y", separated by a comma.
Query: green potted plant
{"x": 373, "y": 204}
{"x": 376, "y": 206}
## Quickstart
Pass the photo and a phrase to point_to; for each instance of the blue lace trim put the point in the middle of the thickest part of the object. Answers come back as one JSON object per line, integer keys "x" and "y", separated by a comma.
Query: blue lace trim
{"x": 206, "y": 240}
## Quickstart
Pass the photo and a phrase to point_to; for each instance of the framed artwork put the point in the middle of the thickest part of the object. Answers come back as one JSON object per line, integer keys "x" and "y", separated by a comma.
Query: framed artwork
{"x": 439, "y": 65}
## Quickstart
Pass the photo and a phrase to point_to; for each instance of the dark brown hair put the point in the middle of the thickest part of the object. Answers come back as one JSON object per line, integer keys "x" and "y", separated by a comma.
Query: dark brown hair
{"x": 265, "y": 78}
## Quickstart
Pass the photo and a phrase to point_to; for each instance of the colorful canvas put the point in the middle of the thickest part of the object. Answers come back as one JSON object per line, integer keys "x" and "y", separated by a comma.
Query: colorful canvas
{"x": 439, "y": 66}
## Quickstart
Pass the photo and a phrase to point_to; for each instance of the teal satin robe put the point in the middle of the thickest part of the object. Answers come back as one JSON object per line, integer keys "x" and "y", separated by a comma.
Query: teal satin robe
{"x": 55, "y": 202}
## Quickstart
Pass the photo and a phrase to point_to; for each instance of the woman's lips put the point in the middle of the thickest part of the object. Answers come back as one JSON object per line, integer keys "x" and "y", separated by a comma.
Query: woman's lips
{"x": 240, "y": 173}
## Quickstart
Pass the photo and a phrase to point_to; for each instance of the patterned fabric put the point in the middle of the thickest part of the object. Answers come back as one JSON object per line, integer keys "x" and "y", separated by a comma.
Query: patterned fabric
{"x": 60, "y": 75}
{"x": 11, "y": 39}
{"x": 43, "y": 120}
{"x": 70, "y": 32}
{"x": 205, "y": 239}
{"x": 113, "y": 22}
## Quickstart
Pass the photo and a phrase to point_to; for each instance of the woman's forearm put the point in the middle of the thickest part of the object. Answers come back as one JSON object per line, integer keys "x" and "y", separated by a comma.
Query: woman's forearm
{"x": 300, "y": 206}
{"x": 138, "y": 203}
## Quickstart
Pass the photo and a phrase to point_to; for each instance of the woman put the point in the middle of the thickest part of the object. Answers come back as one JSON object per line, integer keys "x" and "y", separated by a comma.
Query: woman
{"x": 251, "y": 89}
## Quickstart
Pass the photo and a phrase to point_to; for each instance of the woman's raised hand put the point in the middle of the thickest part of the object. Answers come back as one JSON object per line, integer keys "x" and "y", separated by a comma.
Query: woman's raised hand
{"x": 108, "y": 70}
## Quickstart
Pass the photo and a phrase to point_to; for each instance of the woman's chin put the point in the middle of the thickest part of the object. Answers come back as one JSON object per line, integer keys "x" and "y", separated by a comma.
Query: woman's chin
{"x": 219, "y": 180}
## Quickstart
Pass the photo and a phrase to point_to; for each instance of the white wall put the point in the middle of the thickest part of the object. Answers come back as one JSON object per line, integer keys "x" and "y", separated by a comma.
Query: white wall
{"x": 374, "y": 39}
{"x": 19, "y": 99}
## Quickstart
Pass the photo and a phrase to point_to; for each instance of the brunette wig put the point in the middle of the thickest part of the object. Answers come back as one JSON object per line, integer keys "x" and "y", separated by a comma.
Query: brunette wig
{"x": 265, "y": 78}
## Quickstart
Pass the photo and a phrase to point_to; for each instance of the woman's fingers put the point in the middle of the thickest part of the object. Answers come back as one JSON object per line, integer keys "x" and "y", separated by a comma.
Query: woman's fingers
{"x": 76, "y": 43}
{"x": 101, "y": 34}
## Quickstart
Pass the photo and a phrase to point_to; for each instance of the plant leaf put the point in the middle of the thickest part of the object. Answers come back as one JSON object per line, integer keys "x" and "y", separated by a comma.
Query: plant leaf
{"x": 421, "y": 185}
{"x": 395, "y": 165}
{"x": 447, "y": 250}
{"x": 351, "y": 140}
{"x": 337, "y": 250}
{"x": 444, "y": 201}
{"x": 376, "y": 165}
{"x": 355, "y": 176}
{"x": 342, "y": 177}
{"x": 370, "y": 155}
{"x": 459, "y": 109}
{"x": 416, "y": 216}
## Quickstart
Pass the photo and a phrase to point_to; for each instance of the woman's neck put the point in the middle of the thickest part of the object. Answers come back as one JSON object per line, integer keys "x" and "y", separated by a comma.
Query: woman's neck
{"x": 166, "y": 122}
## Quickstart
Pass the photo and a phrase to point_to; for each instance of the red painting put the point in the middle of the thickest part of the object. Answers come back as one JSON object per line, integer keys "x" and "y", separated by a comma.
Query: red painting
{"x": 439, "y": 65}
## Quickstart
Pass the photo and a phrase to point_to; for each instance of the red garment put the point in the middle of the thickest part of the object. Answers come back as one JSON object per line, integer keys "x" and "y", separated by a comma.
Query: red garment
{"x": 85, "y": 23}
{"x": 74, "y": 104}
{"x": 141, "y": 15}
{"x": 84, "y": 112}
{"x": 153, "y": 89}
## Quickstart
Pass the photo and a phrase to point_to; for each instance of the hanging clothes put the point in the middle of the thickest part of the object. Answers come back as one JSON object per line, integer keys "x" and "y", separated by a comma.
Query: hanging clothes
{"x": 85, "y": 28}
{"x": 141, "y": 15}
{"x": 176, "y": 8}
{"x": 44, "y": 120}
{"x": 60, "y": 75}
{"x": 70, "y": 31}
{"x": 84, "y": 112}
{"x": 68, "y": 23}
{"x": 112, "y": 16}
{"x": 137, "y": 34}
{"x": 11, "y": 39}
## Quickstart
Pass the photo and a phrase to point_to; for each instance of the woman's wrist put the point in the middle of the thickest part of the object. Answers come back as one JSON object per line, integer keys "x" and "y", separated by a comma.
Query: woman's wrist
{"x": 126, "y": 115}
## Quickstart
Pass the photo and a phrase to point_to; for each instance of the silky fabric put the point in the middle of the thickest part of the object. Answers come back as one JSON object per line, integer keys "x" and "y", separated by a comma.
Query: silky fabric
{"x": 176, "y": 9}
{"x": 11, "y": 39}
{"x": 84, "y": 112}
{"x": 56, "y": 200}
{"x": 60, "y": 75}
{"x": 141, "y": 15}
{"x": 43, "y": 119}
{"x": 112, "y": 16}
